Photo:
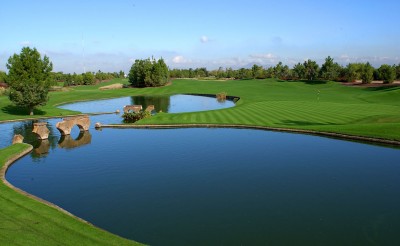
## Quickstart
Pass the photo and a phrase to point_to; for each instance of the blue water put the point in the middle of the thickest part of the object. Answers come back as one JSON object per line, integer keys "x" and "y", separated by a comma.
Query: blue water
{"x": 223, "y": 187}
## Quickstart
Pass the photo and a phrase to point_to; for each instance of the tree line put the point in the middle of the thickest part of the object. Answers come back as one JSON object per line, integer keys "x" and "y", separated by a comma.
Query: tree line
{"x": 308, "y": 70}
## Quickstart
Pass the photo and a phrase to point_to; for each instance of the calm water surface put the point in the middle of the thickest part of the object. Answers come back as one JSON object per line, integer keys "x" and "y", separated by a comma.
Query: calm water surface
{"x": 216, "y": 186}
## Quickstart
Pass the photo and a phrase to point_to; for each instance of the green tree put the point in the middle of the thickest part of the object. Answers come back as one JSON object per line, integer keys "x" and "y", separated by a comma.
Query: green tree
{"x": 149, "y": 73}
{"x": 367, "y": 73}
{"x": 29, "y": 78}
{"x": 257, "y": 71}
{"x": 88, "y": 78}
{"x": 310, "y": 69}
{"x": 353, "y": 72}
{"x": 299, "y": 71}
{"x": 387, "y": 73}
{"x": 398, "y": 71}
{"x": 330, "y": 70}
{"x": 3, "y": 76}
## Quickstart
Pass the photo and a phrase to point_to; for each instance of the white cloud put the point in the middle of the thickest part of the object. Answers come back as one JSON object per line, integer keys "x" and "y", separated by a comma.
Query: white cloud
{"x": 25, "y": 43}
{"x": 204, "y": 39}
{"x": 267, "y": 56}
{"x": 180, "y": 60}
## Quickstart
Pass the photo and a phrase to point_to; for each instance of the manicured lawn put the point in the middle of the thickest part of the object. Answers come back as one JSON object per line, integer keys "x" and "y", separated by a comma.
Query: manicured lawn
{"x": 320, "y": 106}
{"x": 24, "y": 221}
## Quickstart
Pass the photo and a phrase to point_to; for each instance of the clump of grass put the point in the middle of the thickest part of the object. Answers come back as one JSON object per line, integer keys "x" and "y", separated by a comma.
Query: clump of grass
{"x": 221, "y": 97}
{"x": 131, "y": 116}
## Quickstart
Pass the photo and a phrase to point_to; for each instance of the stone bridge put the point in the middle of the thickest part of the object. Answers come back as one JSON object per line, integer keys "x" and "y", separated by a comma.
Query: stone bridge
{"x": 65, "y": 126}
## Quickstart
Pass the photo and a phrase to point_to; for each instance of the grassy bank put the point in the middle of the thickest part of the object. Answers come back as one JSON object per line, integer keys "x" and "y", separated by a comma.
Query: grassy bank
{"x": 320, "y": 106}
{"x": 25, "y": 221}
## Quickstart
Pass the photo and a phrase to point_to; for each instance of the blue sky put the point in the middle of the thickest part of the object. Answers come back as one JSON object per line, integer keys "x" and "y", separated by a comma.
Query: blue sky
{"x": 110, "y": 35}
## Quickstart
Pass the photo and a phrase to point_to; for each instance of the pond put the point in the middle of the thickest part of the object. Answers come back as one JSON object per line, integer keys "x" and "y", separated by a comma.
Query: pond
{"x": 168, "y": 104}
{"x": 209, "y": 186}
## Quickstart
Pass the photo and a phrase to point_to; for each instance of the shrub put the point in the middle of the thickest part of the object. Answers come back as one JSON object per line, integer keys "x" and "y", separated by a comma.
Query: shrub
{"x": 131, "y": 116}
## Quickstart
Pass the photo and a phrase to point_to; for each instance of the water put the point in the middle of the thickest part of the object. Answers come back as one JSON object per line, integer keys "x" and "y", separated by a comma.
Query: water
{"x": 223, "y": 187}
{"x": 168, "y": 104}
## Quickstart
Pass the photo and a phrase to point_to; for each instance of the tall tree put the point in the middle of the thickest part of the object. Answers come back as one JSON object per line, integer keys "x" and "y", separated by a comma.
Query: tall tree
{"x": 3, "y": 76}
{"x": 330, "y": 70}
{"x": 299, "y": 71}
{"x": 311, "y": 69}
{"x": 29, "y": 78}
{"x": 353, "y": 72}
{"x": 398, "y": 71}
{"x": 387, "y": 73}
{"x": 367, "y": 73}
{"x": 149, "y": 73}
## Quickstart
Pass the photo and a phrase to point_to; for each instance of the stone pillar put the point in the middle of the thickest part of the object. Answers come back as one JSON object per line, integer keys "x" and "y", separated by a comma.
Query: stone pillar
{"x": 41, "y": 130}
{"x": 17, "y": 139}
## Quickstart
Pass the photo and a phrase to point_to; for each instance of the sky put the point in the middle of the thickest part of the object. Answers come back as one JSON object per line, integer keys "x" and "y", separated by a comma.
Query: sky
{"x": 109, "y": 36}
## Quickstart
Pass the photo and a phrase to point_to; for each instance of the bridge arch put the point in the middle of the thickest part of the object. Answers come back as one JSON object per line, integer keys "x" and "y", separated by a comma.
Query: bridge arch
{"x": 65, "y": 126}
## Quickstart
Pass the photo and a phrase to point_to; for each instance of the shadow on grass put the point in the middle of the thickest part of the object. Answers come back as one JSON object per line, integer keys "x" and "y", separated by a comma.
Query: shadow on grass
{"x": 383, "y": 88}
{"x": 308, "y": 82}
{"x": 15, "y": 110}
{"x": 304, "y": 123}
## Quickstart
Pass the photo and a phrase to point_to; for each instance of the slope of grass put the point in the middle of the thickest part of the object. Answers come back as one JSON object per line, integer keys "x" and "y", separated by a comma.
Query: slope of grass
{"x": 24, "y": 221}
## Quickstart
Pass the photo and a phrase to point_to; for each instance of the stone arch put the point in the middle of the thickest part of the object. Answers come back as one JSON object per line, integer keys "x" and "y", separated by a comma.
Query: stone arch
{"x": 65, "y": 126}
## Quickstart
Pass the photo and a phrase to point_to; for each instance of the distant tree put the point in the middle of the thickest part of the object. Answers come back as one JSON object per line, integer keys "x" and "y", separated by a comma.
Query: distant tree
{"x": 201, "y": 72}
{"x": 68, "y": 80}
{"x": 230, "y": 73}
{"x": 270, "y": 72}
{"x": 299, "y": 71}
{"x": 121, "y": 74}
{"x": 244, "y": 73}
{"x": 387, "y": 73}
{"x": 88, "y": 78}
{"x": 3, "y": 77}
{"x": 220, "y": 73}
{"x": 367, "y": 73}
{"x": 77, "y": 79}
{"x": 398, "y": 71}
{"x": 353, "y": 72}
{"x": 330, "y": 70}
{"x": 311, "y": 69}
{"x": 29, "y": 78}
{"x": 149, "y": 73}
{"x": 257, "y": 71}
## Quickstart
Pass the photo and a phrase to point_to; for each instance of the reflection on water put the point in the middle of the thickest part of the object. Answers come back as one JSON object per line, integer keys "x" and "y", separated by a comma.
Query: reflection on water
{"x": 68, "y": 142}
{"x": 161, "y": 103}
{"x": 41, "y": 148}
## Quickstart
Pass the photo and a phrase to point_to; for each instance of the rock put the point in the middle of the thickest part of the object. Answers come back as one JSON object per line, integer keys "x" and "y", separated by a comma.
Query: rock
{"x": 117, "y": 111}
{"x": 97, "y": 125}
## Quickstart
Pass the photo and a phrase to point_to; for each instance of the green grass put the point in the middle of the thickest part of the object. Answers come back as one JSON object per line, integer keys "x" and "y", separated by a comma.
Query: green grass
{"x": 319, "y": 106}
{"x": 24, "y": 221}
